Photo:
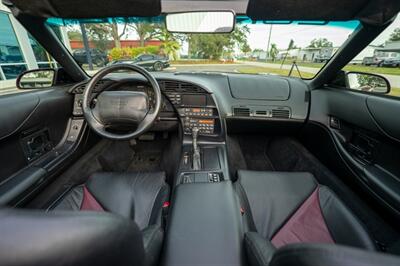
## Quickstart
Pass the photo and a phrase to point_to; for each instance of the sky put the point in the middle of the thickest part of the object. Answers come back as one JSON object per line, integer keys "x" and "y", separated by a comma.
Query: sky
{"x": 303, "y": 34}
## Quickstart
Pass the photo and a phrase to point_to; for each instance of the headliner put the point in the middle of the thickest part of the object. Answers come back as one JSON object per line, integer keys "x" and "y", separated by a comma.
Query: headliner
{"x": 376, "y": 12}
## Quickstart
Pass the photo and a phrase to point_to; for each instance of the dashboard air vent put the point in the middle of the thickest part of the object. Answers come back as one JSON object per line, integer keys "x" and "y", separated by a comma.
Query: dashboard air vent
{"x": 176, "y": 86}
{"x": 280, "y": 113}
{"x": 261, "y": 112}
{"x": 81, "y": 87}
{"x": 239, "y": 111}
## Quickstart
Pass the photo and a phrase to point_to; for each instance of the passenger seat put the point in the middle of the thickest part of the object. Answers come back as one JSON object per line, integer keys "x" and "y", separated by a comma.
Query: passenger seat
{"x": 283, "y": 208}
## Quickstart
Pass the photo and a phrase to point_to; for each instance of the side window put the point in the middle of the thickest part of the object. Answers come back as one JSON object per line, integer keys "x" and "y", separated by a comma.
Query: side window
{"x": 379, "y": 59}
{"x": 147, "y": 57}
{"x": 19, "y": 52}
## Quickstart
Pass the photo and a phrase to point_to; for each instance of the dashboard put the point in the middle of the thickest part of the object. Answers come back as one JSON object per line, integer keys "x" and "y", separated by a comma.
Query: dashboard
{"x": 214, "y": 102}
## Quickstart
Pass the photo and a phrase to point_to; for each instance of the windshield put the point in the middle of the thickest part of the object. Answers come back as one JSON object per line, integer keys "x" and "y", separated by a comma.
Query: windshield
{"x": 298, "y": 49}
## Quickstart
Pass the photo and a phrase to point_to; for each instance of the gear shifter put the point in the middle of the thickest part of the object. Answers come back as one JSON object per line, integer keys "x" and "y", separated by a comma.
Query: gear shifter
{"x": 196, "y": 150}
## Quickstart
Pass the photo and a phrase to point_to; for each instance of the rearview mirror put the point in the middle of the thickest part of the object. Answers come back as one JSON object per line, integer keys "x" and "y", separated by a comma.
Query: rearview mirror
{"x": 368, "y": 82}
{"x": 201, "y": 22}
{"x": 36, "y": 79}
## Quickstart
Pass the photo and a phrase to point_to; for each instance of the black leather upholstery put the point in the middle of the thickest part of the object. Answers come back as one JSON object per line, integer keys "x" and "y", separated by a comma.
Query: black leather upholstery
{"x": 342, "y": 224}
{"x": 271, "y": 199}
{"x": 259, "y": 250}
{"x": 204, "y": 226}
{"x": 317, "y": 255}
{"x": 30, "y": 238}
{"x": 137, "y": 196}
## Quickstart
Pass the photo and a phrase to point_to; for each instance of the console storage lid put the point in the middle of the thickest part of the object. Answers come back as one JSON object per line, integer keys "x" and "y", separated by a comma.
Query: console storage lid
{"x": 205, "y": 226}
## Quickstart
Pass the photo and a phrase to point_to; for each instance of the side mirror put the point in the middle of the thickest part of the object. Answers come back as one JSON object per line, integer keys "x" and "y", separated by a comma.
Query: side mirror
{"x": 367, "y": 82}
{"x": 36, "y": 79}
{"x": 201, "y": 22}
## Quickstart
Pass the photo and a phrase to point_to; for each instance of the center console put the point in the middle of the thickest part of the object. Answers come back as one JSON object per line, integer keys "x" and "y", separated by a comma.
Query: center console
{"x": 205, "y": 222}
{"x": 204, "y": 226}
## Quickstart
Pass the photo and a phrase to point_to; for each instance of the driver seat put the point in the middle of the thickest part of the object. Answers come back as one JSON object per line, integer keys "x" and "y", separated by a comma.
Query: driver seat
{"x": 137, "y": 196}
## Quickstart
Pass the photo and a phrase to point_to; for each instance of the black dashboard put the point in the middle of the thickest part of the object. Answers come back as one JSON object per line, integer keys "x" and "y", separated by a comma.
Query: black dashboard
{"x": 214, "y": 102}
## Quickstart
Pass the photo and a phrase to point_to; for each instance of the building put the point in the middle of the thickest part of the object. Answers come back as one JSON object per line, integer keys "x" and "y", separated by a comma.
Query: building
{"x": 77, "y": 44}
{"x": 367, "y": 52}
{"x": 19, "y": 51}
{"x": 308, "y": 54}
{"x": 389, "y": 50}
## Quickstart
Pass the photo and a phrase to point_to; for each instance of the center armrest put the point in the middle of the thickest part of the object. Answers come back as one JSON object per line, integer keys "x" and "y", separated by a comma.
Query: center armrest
{"x": 205, "y": 226}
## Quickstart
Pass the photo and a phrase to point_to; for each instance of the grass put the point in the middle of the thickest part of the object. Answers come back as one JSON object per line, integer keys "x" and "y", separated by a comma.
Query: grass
{"x": 376, "y": 70}
{"x": 198, "y": 62}
{"x": 359, "y": 68}
{"x": 276, "y": 71}
{"x": 395, "y": 92}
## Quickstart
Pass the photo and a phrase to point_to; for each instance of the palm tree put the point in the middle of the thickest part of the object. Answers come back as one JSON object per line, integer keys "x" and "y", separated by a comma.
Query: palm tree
{"x": 273, "y": 52}
{"x": 170, "y": 44}
{"x": 171, "y": 48}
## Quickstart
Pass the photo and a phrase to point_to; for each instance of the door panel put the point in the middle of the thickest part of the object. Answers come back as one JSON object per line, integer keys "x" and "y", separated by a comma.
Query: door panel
{"x": 32, "y": 124}
{"x": 365, "y": 131}
{"x": 386, "y": 113}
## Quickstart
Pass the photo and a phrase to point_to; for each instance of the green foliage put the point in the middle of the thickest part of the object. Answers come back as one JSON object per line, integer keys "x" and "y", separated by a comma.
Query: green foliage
{"x": 146, "y": 31}
{"x": 319, "y": 43}
{"x": 99, "y": 34}
{"x": 273, "y": 51}
{"x": 130, "y": 53}
{"x": 170, "y": 48}
{"x": 395, "y": 36}
{"x": 74, "y": 34}
{"x": 215, "y": 46}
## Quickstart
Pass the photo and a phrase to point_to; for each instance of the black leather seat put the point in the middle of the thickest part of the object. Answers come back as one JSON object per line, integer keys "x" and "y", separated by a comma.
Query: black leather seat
{"x": 36, "y": 238}
{"x": 134, "y": 196}
{"x": 285, "y": 207}
{"x": 335, "y": 255}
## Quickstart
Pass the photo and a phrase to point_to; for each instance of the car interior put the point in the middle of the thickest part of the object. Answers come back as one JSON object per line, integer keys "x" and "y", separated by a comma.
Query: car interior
{"x": 133, "y": 167}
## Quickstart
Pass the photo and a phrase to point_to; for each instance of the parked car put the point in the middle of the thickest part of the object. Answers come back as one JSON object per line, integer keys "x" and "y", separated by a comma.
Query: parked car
{"x": 372, "y": 61}
{"x": 99, "y": 58}
{"x": 321, "y": 59}
{"x": 391, "y": 62}
{"x": 148, "y": 61}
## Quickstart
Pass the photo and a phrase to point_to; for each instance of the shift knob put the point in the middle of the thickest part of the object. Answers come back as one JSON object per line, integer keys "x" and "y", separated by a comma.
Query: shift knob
{"x": 195, "y": 134}
{"x": 196, "y": 150}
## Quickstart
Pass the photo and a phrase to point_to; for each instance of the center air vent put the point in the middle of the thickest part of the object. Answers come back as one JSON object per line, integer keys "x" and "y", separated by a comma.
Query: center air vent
{"x": 280, "y": 113}
{"x": 238, "y": 111}
{"x": 176, "y": 86}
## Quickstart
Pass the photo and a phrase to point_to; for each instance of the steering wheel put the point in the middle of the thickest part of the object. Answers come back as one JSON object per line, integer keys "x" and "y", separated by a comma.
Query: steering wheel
{"x": 120, "y": 108}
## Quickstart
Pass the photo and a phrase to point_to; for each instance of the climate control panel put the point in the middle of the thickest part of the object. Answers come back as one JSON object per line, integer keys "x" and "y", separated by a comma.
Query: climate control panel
{"x": 202, "y": 112}
{"x": 205, "y": 126}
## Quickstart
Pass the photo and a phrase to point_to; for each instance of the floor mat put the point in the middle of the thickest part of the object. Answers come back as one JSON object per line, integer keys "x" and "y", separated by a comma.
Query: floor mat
{"x": 254, "y": 151}
{"x": 148, "y": 156}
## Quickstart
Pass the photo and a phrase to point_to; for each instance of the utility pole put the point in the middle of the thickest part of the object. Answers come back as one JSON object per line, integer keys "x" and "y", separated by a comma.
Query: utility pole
{"x": 86, "y": 46}
{"x": 269, "y": 41}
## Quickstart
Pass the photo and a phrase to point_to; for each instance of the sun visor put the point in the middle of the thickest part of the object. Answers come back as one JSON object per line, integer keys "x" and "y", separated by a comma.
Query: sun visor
{"x": 86, "y": 8}
{"x": 375, "y": 12}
